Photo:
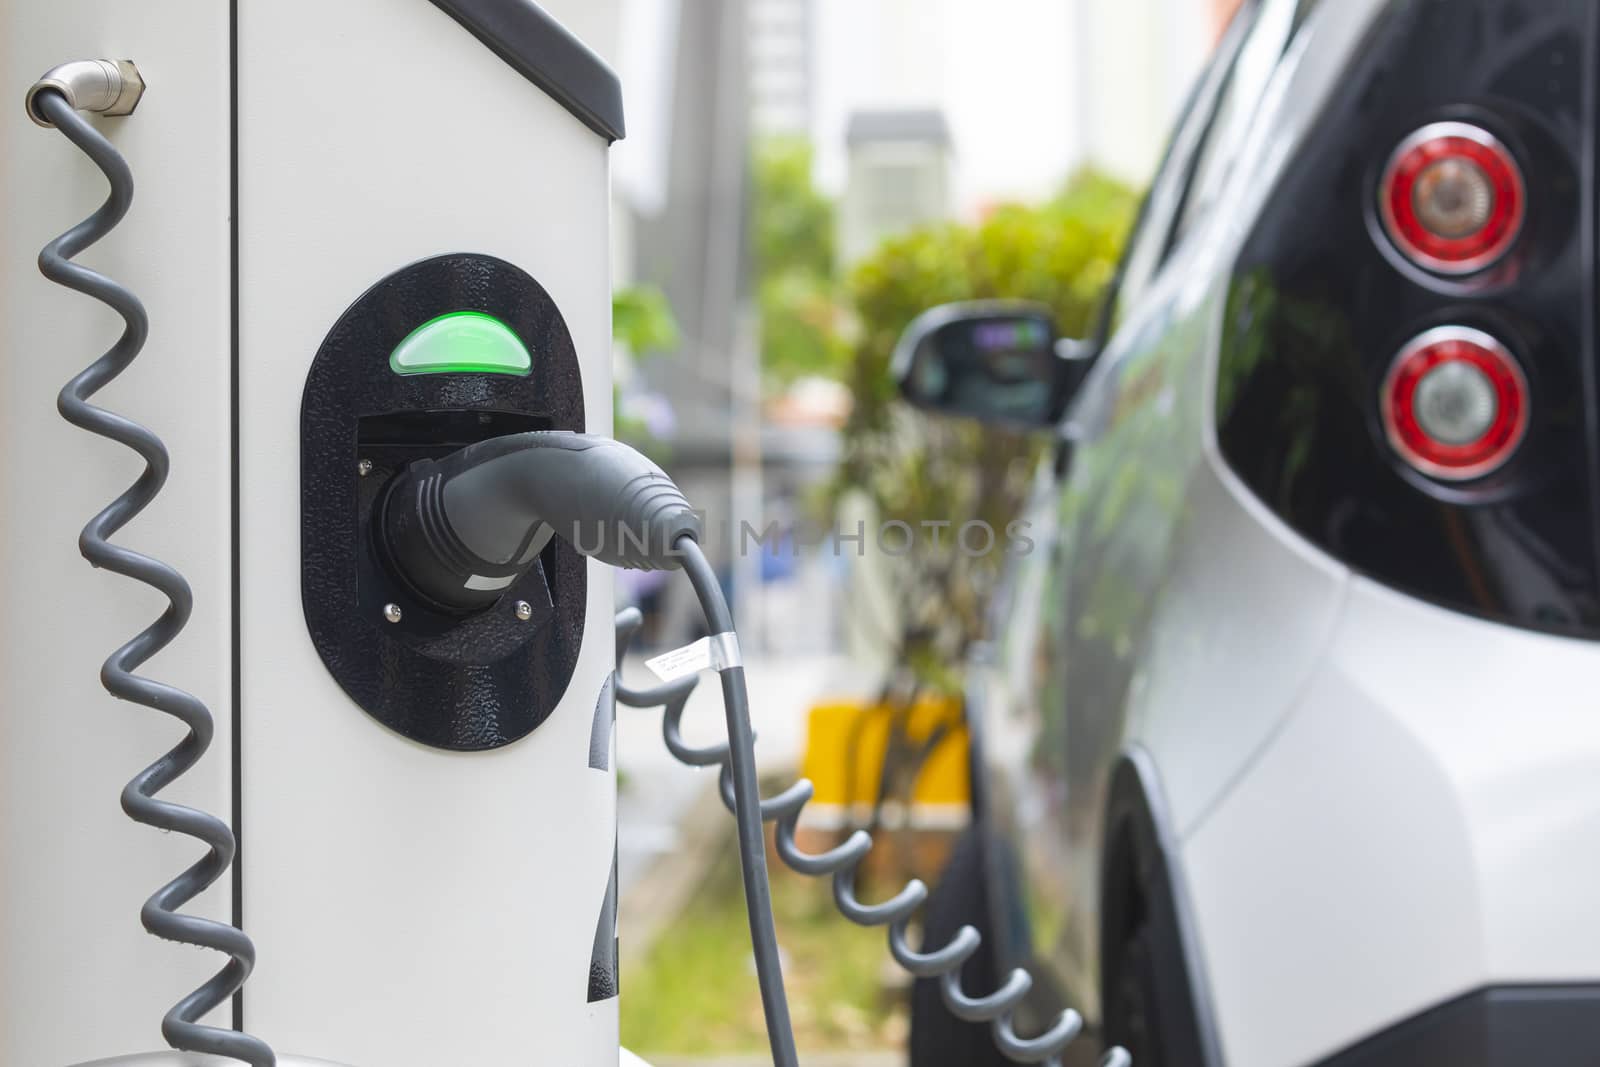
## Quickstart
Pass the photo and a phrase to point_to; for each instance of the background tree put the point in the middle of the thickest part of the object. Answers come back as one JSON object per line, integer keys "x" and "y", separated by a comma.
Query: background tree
{"x": 797, "y": 284}
{"x": 919, "y": 469}
{"x": 642, "y": 326}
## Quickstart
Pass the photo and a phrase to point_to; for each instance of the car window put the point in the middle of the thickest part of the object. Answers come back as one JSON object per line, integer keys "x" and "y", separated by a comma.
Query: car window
{"x": 1149, "y": 240}
{"x": 1303, "y": 12}
{"x": 1257, "y": 60}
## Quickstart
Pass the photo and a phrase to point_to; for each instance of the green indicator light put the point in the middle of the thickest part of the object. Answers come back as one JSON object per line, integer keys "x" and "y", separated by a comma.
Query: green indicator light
{"x": 462, "y": 342}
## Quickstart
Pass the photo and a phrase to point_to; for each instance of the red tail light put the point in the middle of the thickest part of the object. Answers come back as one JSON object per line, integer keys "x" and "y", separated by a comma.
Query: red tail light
{"x": 1455, "y": 403}
{"x": 1453, "y": 198}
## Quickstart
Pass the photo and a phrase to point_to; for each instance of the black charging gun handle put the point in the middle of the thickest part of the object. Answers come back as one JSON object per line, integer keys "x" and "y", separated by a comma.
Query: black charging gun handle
{"x": 462, "y": 529}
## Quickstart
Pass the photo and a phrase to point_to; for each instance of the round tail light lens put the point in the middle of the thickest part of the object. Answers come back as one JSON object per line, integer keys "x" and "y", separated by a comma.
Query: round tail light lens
{"x": 1455, "y": 404}
{"x": 1453, "y": 198}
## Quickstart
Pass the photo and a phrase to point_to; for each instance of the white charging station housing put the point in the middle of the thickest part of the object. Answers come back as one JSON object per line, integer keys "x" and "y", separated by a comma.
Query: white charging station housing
{"x": 410, "y": 906}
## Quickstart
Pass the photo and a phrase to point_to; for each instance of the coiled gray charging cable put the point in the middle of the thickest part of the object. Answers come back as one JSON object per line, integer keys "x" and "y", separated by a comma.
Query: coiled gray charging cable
{"x": 487, "y": 509}
{"x": 113, "y": 88}
{"x": 740, "y": 793}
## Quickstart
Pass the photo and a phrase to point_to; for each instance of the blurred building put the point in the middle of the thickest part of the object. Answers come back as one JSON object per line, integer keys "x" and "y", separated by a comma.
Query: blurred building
{"x": 1030, "y": 89}
{"x": 680, "y": 200}
{"x": 782, "y": 66}
{"x": 691, "y": 241}
{"x": 899, "y": 176}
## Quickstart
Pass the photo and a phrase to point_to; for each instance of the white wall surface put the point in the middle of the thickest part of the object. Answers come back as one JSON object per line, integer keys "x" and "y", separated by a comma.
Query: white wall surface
{"x": 413, "y": 907}
{"x": 79, "y": 977}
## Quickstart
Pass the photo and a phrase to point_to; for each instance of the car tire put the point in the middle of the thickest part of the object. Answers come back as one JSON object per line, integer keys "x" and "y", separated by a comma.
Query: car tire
{"x": 939, "y": 1039}
{"x": 1132, "y": 1016}
{"x": 1151, "y": 1003}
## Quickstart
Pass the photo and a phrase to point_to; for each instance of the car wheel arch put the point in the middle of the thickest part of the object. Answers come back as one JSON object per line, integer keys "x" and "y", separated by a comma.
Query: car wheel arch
{"x": 1142, "y": 886}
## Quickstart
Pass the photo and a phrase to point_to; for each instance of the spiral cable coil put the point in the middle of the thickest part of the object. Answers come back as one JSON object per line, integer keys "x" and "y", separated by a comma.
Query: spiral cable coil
{"x": 841, "y": 862}
{"x": 180, "y": 1027}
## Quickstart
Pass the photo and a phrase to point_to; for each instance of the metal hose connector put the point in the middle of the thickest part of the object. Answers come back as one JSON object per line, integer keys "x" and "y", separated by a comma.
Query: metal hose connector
{"x": 109, "y": 86}
{"x": 942, "y": 963}
{"x": 160, "y": 914}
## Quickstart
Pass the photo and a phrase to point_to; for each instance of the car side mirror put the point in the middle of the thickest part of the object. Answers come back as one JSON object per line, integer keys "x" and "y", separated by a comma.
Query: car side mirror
{"x": 997, "y": 361}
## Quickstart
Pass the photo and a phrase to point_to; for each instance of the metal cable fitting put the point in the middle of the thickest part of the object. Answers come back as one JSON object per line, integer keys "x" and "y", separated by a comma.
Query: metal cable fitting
{"x": 108, "y": 86}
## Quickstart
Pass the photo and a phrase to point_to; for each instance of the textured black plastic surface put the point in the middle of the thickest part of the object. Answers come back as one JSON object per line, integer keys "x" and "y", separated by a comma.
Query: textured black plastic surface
{"x": 605, "y": 720}
{"x": 603, "y": 969}
{"x": 541, "y": 50}
{"x": 469, "y": 683}
{"x": 604, "y": 974}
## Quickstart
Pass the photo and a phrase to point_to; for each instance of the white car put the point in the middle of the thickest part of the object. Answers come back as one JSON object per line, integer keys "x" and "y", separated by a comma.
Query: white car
{"x": 1288, "y": 735}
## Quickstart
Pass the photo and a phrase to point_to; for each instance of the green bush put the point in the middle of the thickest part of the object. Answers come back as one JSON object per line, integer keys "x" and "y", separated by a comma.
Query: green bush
{"x": 1061, "y": 254}
{"x": 796, "y": 275}
{"x": 802, "y": 330}
{"x": 642, "y": 320}
{"x": 793, "y": 220}
{"x": 643, "y": 324}
{"x": 915, "y": 468}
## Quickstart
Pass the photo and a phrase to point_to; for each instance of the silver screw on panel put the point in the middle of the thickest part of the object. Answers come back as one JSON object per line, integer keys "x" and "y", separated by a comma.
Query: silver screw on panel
{"x": 524, "y": 610}
{"x": 392, "y": 612}
{"x": 364, "y": 467}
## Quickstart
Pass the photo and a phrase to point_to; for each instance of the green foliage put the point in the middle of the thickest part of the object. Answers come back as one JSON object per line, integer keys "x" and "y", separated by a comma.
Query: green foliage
{"x": 794, "y": 222}
{"x": 1062, "y": 254}
{"x": 796, "y": 282}
{"x": 802, "y": 329}
{"x": 1096, "y": 196}
{"x": 694, "y": 996}
{"x": 642, "y": 320}
{"x": 917, "y": 468}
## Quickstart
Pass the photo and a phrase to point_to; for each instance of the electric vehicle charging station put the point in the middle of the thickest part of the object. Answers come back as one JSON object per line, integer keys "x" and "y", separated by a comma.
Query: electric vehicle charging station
{"x": 365, "y": 299}
{"x": 423, "y": 905}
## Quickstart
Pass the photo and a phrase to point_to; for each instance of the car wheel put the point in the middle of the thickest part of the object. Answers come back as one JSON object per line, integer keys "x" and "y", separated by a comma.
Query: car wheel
{"x": 1132, "y": 1018}
{"x": 939, "y": 1039}
{"x": 1151, "y": 1001}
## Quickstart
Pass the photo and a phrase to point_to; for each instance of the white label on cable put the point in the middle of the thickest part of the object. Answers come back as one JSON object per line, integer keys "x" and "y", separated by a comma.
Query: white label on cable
{"x": 718, "y": 652}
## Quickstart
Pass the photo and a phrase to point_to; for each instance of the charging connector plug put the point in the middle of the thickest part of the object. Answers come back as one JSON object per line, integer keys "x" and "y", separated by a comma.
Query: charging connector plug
{"x": 461, "y": 530}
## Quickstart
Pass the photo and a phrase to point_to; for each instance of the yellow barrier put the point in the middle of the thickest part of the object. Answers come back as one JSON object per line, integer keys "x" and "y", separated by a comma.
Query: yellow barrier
{"x": 846, "y": 741}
